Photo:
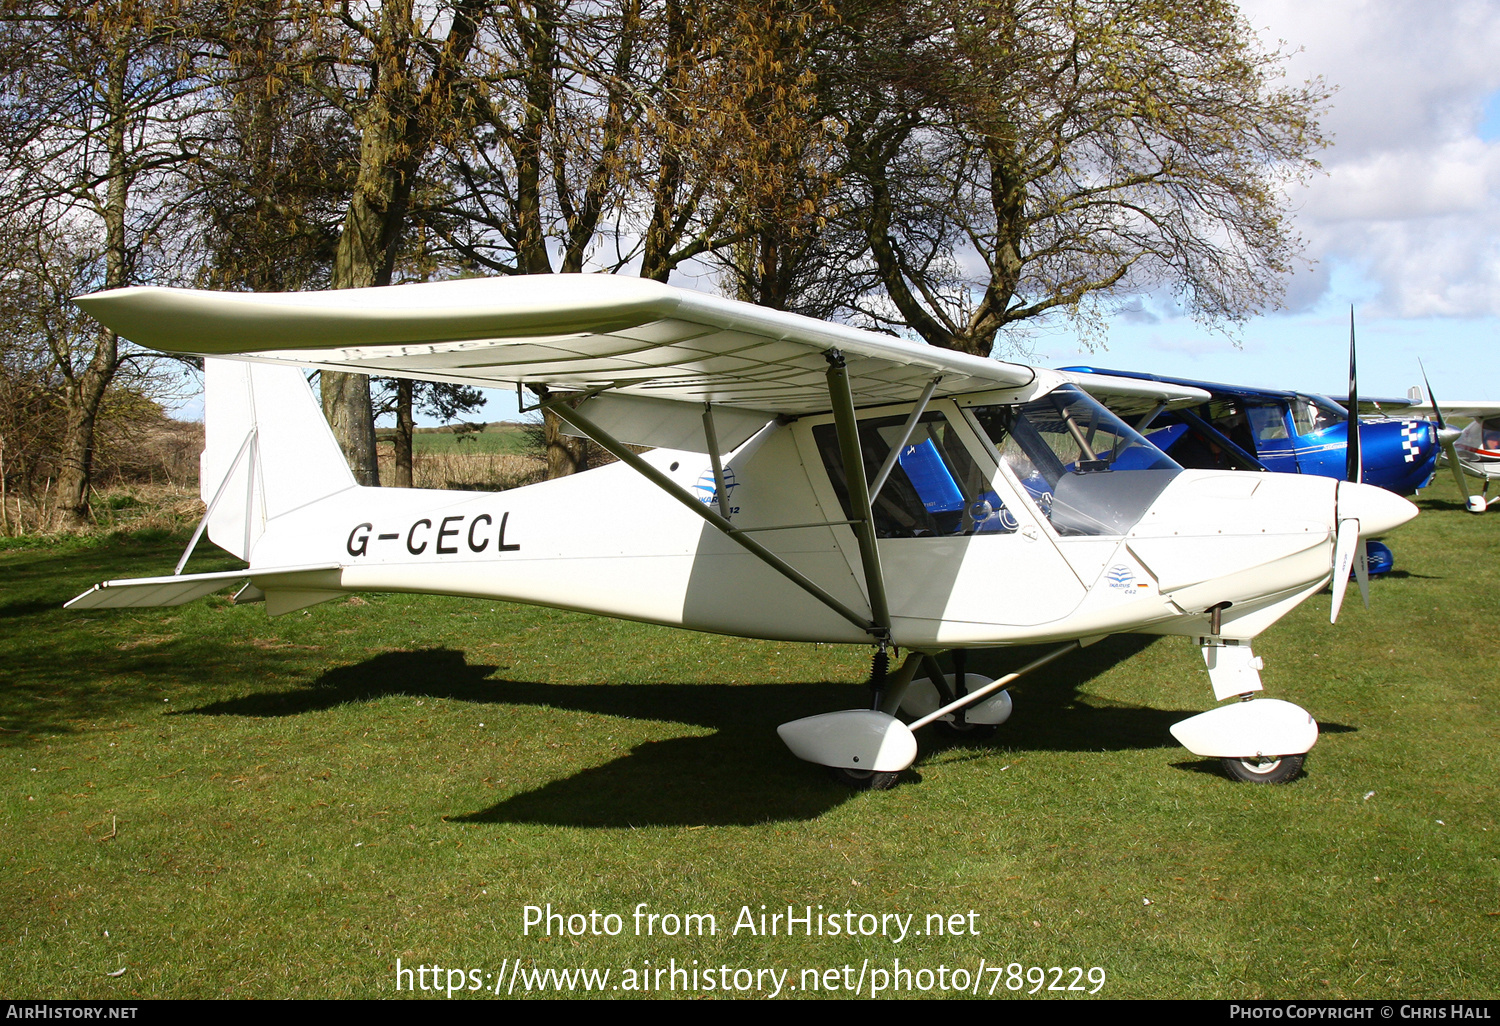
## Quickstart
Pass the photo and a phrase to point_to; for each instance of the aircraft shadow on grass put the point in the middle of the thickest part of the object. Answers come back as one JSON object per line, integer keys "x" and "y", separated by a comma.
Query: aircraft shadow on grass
{"x": 10, "y": 610}
{"x": 1442, "y": 505}
{"x": 739, "y": 774}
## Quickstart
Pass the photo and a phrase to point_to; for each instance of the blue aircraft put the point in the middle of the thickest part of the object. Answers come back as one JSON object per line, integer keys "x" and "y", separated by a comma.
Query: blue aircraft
{"x": 1290, "y": 433}
{"x": 1287, "y": 433}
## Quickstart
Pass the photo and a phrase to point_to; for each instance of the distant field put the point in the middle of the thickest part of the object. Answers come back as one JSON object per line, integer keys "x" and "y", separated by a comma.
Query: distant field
{"x": 225, "y": 805}
{"x": 509, "y": 439}
{"x": 499, "y": 457}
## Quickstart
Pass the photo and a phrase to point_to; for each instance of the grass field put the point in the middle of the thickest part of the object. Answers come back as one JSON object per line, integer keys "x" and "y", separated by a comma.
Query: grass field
{"x": 223, "y": 805}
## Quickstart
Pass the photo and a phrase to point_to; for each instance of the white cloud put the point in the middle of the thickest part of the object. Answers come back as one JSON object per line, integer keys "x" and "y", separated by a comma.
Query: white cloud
{"x": 1456, "y": 178}
{"x": 1411, "y": 194}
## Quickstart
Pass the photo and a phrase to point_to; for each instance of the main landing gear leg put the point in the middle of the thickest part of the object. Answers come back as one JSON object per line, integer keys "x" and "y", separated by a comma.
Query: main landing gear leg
{"x": 1262, "y": 741}
{"x": 867, "y": 748}
{"x": 937, "y": 689}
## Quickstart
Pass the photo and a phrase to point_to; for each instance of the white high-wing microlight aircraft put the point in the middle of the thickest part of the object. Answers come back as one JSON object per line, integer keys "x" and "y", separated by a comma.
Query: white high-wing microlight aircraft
{"x": 1474, "y": 449}
{"x": 809, "y": 482}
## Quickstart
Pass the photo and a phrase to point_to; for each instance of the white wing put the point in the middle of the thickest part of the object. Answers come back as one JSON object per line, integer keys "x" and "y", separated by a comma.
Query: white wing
{"x": 1131, "y": 397}
{"x": 569, "y": 332}
{"x": 1473, "y": 408}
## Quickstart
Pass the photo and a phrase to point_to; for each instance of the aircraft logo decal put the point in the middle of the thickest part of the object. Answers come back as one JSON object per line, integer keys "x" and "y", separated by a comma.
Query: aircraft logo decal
{"x": 1121, "y": 578}
{"x": 706, "y": 491}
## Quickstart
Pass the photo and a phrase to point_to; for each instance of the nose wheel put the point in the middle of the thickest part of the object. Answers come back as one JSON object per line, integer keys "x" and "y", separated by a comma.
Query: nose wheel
{"x": 1266, "y": 769}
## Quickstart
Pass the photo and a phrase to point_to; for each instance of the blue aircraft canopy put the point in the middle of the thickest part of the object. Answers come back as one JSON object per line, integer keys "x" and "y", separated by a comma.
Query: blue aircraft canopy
{"x": 1281, "y": 431}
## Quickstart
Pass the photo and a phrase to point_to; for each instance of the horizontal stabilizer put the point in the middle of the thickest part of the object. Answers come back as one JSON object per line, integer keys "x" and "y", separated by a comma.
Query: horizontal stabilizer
{"x": 144, "y": 592}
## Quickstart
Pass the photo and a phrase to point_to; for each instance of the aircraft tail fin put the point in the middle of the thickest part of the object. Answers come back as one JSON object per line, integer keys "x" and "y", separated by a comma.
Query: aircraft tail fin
{"x": 268, "y": 450}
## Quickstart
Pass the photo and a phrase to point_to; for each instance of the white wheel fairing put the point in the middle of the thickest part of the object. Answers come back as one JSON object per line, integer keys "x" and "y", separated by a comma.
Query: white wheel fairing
{"x": 922, "y": 698}
{"x": 852, "y": 739}
{"x": 1266, "y": 727}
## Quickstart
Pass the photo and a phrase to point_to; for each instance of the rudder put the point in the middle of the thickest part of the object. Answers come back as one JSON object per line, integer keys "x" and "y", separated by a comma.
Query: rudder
{"x": 267, "y": 450}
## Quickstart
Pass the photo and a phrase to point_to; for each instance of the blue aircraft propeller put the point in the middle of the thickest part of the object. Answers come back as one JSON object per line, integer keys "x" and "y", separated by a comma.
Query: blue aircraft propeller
{"x": 1446, "y": 436}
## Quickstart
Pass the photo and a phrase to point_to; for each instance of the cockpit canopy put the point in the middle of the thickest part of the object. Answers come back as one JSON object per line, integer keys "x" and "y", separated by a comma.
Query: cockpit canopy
{"x": 1086, "y": 471}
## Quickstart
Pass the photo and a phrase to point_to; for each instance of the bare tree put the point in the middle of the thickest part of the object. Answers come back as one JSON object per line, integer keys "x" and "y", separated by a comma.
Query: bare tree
{"x": 1024, "y": 156}
{"x": 100, "y": 106}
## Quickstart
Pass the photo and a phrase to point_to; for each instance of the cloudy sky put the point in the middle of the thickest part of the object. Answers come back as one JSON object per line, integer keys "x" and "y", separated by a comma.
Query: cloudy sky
{"x": 1404, "y": 224}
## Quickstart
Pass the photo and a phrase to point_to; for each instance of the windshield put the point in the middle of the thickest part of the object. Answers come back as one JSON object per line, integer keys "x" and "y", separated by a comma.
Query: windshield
{"x": 1313, "y": 413}
{"x": 1088, "y": 472}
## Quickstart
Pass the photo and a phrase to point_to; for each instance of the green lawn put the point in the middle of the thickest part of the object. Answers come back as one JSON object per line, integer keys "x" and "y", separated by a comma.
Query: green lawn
{"x": 227, "y": 805}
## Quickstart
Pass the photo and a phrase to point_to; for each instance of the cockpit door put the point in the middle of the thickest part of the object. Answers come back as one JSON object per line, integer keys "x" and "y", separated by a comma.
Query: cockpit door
{"x": 1322, "y": 436}
{"x": 959, "y": 546}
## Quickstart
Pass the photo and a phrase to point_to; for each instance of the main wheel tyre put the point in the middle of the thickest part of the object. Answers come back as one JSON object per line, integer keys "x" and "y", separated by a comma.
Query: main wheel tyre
{"x": 1264, "y": 769}
{"x": 863, "y": 780}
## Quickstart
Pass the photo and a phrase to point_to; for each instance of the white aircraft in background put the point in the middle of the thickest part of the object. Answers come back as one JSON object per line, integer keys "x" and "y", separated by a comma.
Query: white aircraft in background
{"x": 808, "y": 482}
{"x": 1472, "y": 450}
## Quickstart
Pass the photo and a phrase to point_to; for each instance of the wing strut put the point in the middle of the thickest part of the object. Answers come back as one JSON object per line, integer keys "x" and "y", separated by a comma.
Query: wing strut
{"x": 859, "y": 491}
{"x": 624, "y": 454}
{"x": 712, "y": 438}
{"x": 906, "y": 430}
{"x": 1144, "y": 423}
{"x": 993, "y": 686}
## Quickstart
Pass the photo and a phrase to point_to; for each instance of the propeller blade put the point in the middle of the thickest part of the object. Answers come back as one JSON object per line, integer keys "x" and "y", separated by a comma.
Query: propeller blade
{"x": 1362, "y": 571}
{"x": 1344, "y": 548}
{"x": 1354, "y": 467}
{"x": 1446, "y": 437}
{"x": 1436, "y": 412}
{"x": 1458, "y": 470}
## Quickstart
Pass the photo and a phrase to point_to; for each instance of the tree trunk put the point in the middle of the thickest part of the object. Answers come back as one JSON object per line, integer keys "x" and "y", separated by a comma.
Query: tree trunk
{"x": 398, "y": 125}
{"x": 84, "y": 397}
{"x": 565, "y": 453}
{"x": 366, "y": 257}
{"x": 405, "y": 428}
{"x": 85, "y": 392}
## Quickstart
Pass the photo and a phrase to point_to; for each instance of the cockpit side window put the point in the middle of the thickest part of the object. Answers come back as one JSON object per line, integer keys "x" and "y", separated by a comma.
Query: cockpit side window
{"x": 1267, "y": 422}
{"x": 1481, "y": 435}
{"x": 934, "y": 490}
